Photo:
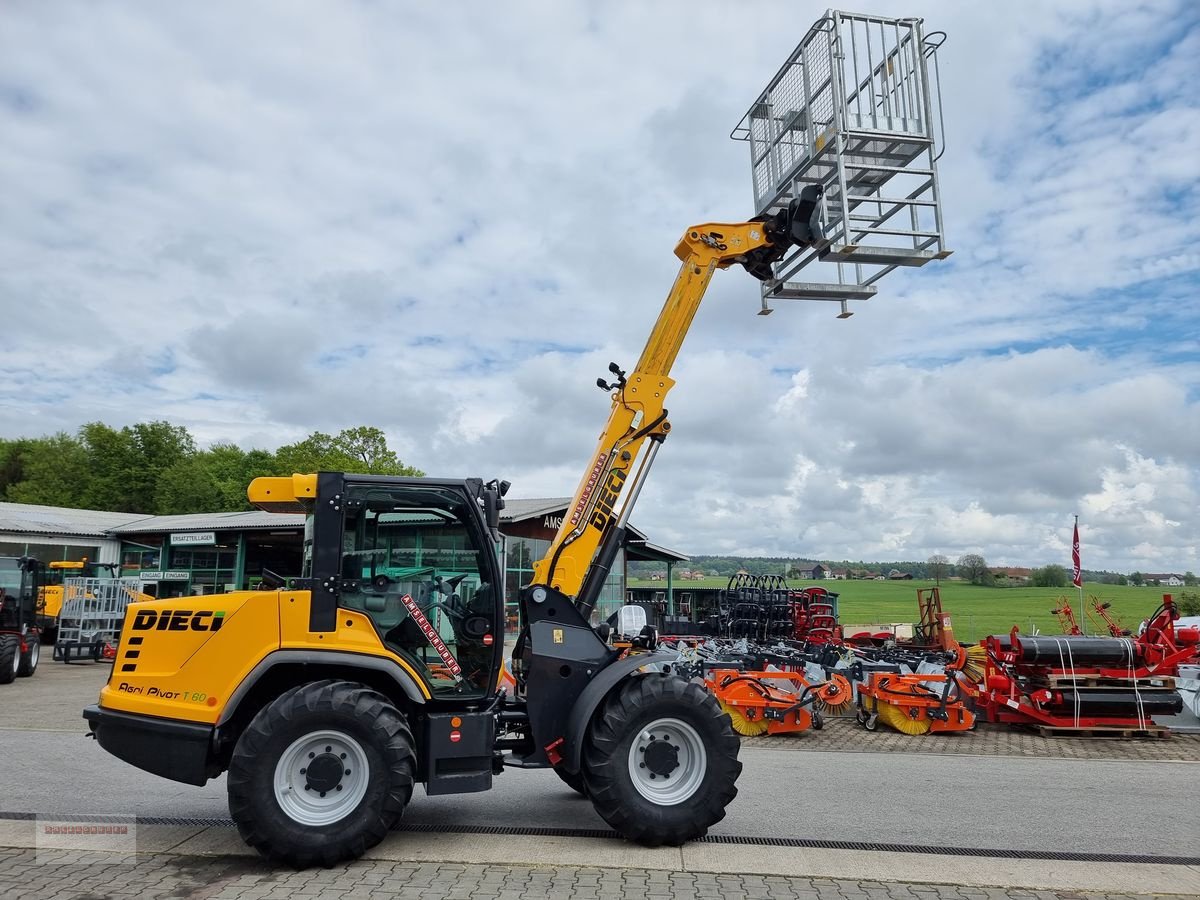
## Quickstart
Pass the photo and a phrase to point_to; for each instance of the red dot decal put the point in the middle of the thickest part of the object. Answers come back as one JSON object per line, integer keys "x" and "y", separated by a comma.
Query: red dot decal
{"x": 455, "y": 737}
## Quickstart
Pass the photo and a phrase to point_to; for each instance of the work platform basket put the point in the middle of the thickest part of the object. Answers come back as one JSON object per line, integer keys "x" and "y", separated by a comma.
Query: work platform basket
{"x": 93, "y": 612}
{"x": 853, "y": 109}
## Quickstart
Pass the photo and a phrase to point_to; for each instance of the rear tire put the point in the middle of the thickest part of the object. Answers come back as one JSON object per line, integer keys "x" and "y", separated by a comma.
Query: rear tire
{"x": 30, "y": 658}
{"x": 680, "y": 732}
{"x": 362, "y": 759}
{"x": 10, "y": 657}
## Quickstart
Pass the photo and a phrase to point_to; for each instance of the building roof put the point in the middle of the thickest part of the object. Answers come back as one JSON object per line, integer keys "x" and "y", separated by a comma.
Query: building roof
{"x": 642, "y": 549}
{"x": 221, "y": 521}
{"x": 24, "y": 517}
{"x": 518, "y": 510}
{"x": 28, "y": 517}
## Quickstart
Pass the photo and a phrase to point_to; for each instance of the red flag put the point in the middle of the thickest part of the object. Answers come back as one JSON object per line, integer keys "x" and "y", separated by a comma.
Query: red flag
{"x": 1076, "y": 575}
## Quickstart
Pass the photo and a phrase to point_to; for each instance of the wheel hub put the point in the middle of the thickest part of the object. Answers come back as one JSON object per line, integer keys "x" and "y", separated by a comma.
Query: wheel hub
{"x": 661, "y": 757}
{"x": 667, "y": 761}
{"x": 321, "y": 778}
{"x": 324, "y": 773}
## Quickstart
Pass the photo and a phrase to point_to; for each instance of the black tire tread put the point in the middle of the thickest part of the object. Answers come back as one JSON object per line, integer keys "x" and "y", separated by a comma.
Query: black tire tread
{"x": 606, "y": 752}
{"x": 27, "y": 667}
{"x": 367, "y": 706}
{"x": 10, "y": 646}
{"x": 575, "y": 782}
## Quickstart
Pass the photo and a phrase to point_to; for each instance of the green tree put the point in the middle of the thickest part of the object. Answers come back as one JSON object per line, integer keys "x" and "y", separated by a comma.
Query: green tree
{"x": 1189, "y": 603}
{"x": 127, "y": 464}
{"x": 52, "y": 471}
{"x": 361, "y": 450}
{"x": 1189, "y": 578}
{"x": 974, "y": 568}
{"x": 1137, "y": 579}
{"x": 212, "y": 480}
{"x": 1050, "y": 576}
{"x": 939, "y": 567}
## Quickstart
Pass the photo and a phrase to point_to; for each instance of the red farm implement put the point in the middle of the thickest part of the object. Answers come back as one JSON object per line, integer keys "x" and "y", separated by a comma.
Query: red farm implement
{"x": 1098, "y": 684}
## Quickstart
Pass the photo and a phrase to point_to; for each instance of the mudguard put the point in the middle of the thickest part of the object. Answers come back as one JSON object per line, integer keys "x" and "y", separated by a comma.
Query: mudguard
{"x": 593, "y": 695}
{"x": 317, "y": 659}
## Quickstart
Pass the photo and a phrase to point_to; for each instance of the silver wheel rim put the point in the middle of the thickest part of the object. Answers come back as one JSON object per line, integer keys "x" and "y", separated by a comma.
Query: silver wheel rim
{"x": 683, "y": 746}
{"x": 35, "y": 652}
{"x": 305, "y": 803}
{"x": 17, "y": 657}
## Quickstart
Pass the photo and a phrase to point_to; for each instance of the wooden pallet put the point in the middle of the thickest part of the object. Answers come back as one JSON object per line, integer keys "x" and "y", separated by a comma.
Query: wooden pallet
{"x": 1157, "y": 732}
{"x": 1148, "y": 683}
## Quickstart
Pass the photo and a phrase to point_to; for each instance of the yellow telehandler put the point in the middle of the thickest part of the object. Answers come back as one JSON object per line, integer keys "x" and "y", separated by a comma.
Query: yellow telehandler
{"x": 327, "y": 696}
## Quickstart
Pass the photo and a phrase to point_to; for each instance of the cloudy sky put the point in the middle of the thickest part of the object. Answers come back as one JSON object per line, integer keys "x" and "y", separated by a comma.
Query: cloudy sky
{"x": 262, "y": 219}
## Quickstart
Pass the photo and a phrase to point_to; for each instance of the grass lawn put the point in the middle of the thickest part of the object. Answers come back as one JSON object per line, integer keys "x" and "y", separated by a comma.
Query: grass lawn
{"x": 976, "y": 611}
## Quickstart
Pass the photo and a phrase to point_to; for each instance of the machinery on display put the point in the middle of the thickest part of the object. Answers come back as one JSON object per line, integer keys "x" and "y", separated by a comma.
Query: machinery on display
{"x": 1071, "y": 682}
{"x": 1108, "y": 622}
{"x": 764, "y": 607}
{"x": 52, "y": 591}
{"x": 327, "y": 696}
{"x": 919, "y": 703}
{"x": 92, "y": 616}
{"x": 20, "y": 635}
{"x": 771, "y": 701}
{"x": 1066, "y": 617}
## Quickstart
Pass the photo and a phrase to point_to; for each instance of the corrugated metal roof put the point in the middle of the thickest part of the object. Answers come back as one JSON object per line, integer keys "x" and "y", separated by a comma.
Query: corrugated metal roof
{"x": 28, "y": 517}
{"x": 518, "y": 510}
{"x": 644, "y": 550}
{"x": 24, "y": 517}
{"x": 221, "y": 521}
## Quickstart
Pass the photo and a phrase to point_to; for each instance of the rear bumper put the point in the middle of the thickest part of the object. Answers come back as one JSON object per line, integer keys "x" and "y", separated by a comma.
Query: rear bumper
{"x": 176, "y": 750}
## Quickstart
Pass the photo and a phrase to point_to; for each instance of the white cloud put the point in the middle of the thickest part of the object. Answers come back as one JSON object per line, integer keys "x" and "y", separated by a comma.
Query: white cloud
{"x": 262, "y": 220}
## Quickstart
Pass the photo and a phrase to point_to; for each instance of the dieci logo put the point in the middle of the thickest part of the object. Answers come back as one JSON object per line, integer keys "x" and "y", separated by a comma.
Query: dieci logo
{"x": 178, "y": 620}
{"x": 608, "y": 496}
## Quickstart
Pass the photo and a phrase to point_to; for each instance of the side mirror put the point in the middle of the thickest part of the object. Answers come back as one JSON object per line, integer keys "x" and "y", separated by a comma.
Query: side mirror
{"x": 493, "y": 502}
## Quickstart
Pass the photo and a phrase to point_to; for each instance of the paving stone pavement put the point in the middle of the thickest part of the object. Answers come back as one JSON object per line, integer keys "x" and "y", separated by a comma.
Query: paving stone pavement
{"x": 842, "y": 734}
{"x": 69, "y": 875}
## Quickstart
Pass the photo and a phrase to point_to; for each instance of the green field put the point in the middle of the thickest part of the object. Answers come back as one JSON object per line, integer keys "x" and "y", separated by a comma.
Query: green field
{"x": 976, "y": 611}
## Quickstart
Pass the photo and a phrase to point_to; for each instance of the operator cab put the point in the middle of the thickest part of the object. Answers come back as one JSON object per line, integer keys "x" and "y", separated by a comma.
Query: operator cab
{"x": 418, "y": 557}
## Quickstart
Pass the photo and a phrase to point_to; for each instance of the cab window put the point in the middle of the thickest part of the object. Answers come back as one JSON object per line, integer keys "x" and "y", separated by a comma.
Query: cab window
{"x": 411, "y": 561}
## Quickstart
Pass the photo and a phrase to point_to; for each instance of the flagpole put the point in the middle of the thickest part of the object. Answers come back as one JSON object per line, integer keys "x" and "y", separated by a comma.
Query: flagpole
{"x": 1078, "y": 576}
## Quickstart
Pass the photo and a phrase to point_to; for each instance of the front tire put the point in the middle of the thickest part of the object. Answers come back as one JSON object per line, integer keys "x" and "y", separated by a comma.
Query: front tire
{"x": 660, "y": 761}
{"x": 29, "y": 659}
{"x": 321, "y": 774}
{"x": 10, "y": 657}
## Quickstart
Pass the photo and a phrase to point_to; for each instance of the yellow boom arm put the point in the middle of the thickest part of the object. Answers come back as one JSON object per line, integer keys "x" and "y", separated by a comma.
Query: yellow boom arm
{"x": 601, "y": 502}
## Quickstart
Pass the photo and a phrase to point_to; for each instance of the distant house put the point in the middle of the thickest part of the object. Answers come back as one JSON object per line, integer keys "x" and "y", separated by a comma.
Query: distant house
{"x": 657, "y": 576}
{"x": 1167, "y": 579}
{"x": 897, "y": 575}
{"x": 803, "y": 571}
{"x": 839, "y": 574}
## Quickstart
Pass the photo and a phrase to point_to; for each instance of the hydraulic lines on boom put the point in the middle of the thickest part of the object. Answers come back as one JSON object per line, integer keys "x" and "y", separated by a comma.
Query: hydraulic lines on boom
{"x": 583, "y": 550}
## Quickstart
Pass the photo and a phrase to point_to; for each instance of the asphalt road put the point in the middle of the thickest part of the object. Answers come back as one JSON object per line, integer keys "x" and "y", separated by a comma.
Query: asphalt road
{"x": 49, "y": 766}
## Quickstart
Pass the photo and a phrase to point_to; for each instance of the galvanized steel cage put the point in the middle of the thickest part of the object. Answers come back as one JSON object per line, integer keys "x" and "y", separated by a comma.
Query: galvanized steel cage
{"x": 855, "y": 110}
{"x": 93, "y": 612}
